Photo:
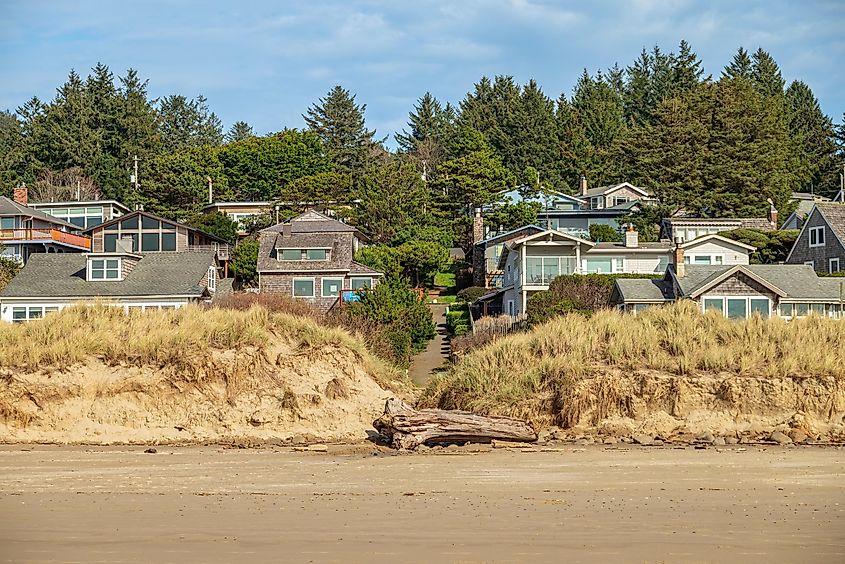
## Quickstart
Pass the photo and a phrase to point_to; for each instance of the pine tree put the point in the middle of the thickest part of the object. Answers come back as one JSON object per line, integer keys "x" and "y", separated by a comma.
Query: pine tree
{"x": 187, "y": 123}
{"x": 12, "y": 157}
{"x": 428, "y": 120}
{"x": 339, "y": 123}
{"x": 687, "y": 69}
{"x": 601, "y": 118}
{"x": 105, "y": 170}
{"x": 638, "y": 96}
{"x": 138, "y": 131}
{"x": 71, "y": 141}
{"x": 239, "y": 131}
{"x": 740, "y": 66}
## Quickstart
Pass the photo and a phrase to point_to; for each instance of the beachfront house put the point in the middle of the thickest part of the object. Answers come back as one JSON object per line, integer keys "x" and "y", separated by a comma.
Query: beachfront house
{"x": 310, "y": 257}
{"x": 83, "y": 214}
{"x": 530, "y": 263}
{"x": 121, "y": 278}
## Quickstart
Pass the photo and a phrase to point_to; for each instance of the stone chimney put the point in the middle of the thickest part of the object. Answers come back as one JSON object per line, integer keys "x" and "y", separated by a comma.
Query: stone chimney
{"x": 773, "y": 214}
{"x": 582, "y": 186}
{"x": 21, "y": 195}
{"x": 678, "y": 258}
{"x": 477, "y": 227}
{"x": 286, "y": 229}
{"x": 632, "y": 238}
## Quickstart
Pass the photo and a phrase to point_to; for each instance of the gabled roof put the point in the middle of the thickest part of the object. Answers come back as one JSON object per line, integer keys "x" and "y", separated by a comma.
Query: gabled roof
{"x": 11, "y": 207}
{"x": 643, "y": 290}
{"x": 62, "y": 275}
{"x": 605, "y": 190}
{"x": 140, "y": 213}
{"x": 716, "y": 237}
{"x": 833, "y": 214}
{"x": 508, "y": 235}
{"x": 549, "y": 233}
{"x": 790, "y": 281}
{"x": 312, "y": 222}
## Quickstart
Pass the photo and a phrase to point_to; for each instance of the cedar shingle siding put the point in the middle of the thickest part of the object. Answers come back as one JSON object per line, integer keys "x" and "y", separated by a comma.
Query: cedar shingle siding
{"x": 832, "y": 218}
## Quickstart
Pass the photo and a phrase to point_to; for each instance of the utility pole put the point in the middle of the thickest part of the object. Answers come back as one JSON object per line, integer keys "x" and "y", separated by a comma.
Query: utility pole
{"x": 136, "y": 183}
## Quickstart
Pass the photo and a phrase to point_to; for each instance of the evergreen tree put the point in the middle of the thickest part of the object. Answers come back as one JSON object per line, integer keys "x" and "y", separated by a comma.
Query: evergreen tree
{"x": 430, "y": 125}
{"x": 12, "y": 153}
{"x": 766, "y": 75}
{"x": 339, "y": 122}
{"x": 70, "y": 139}
{"x": 687, "y": 69}
{"x": 740, "y": 66}
{"x": 239, "y": 131}
{"x": 811, "y": 132}
{"x": 138, "y": 131}
{"x": 187, "y": 123}
{"x": 106, "y": 169}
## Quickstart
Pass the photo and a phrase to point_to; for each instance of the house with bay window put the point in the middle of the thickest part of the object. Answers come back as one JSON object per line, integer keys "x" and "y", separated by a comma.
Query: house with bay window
{"x": 122, "y": 278}
{"x": 530, "y": 263}
{"x": 310, "y": 257}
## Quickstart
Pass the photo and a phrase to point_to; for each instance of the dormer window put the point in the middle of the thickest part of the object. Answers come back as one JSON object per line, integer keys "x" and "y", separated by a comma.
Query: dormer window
{"x": 104, "y": 269}
{"x": 303, "y": 254}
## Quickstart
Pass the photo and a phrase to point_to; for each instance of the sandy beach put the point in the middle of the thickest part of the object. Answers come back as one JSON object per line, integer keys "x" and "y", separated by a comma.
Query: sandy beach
{"x": 203, "y": 504}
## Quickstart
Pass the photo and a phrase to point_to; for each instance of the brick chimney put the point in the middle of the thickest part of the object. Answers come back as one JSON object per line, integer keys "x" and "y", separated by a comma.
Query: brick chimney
{"x": 21, "y": 195}
{"x": 678, "y": 258}
{"x": 773, "y": 214}
{"x": 632, "y": 238}
{"x": 582, "y": 185}
{"x": 477, "y": 227}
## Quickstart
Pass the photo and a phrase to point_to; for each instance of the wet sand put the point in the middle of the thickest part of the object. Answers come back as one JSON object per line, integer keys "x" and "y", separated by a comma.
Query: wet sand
{"x": 73, "y": 504}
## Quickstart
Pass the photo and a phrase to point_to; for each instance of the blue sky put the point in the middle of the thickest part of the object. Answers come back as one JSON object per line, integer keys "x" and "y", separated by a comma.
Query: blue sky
{"x": 265, "y": 62}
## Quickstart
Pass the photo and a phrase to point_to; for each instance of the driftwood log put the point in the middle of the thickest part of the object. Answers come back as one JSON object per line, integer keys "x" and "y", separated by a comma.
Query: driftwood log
{"x": 408, "y": 428}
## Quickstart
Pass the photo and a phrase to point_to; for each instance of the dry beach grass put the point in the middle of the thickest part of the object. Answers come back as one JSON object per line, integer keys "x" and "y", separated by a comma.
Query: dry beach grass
{"x": 576, "y": 370}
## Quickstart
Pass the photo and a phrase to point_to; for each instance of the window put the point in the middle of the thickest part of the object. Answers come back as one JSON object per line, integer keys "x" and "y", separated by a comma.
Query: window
{"x": 704, "y": 259}
{"x": 104, "y": 269}
{"x": 22, "y": 313}
{"x": 817, "y": 236}
{"x": 316, "y": 254}
{"x": 760, "y": 306}
{"x": 150, "y": 242}
{"x": 150, "y": 223}
{"x": 785, "y": 310}
{"x": 737, "y": 308}
{"x": 598, "y": 265}
{"x": 291, "y": 254}
{"x": 303, "y": 287}
{"x": 129, "y": 223}
{"x": 361, "y": 283}
{"x": 619, "y": 265}
{"x": 714, "y": 303}
{"x": 620, "y": 200}
{"x": 212, "y": 279}
{"x": 810, "y": 263}
{"x": 110, "y": 242}
{"x": 638, "y": 308}
{"x": 332, "y": 287}
{"x": 7, "y": 222}
{"x": 511, "y": 308}
{"x": 801, "y": 310}
{"x": 168, "y": 241}
{"x": 817, "y": 308}
{"x": 833, "y": 265}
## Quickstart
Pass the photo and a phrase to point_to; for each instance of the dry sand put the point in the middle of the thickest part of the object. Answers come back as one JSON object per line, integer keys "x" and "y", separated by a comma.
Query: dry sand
{"x": 107, "y": 504}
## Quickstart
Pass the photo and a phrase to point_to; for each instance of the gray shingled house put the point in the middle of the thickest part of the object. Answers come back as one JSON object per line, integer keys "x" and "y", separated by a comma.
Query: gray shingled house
{"x": 310, "y": 257}
{"x": 737, "y": 291}
{"x": 50, "y": 282}
{"x": 821, "y": 242}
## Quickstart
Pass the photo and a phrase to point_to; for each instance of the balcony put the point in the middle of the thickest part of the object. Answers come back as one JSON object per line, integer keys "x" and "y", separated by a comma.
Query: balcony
{"x": 54, "y": 236}
{"x": 540, "y": 271}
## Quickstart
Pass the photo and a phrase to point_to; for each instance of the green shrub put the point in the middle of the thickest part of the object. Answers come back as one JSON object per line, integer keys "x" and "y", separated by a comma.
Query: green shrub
{"x": 245, "y": 260}
{"x": 600, "y": 232}
{"x": 472, "y": 293}
{"x": 457, "y": 320}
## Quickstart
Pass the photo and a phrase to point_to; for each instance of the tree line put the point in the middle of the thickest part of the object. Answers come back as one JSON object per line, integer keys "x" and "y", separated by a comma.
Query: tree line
{"x": 714, "y": 146}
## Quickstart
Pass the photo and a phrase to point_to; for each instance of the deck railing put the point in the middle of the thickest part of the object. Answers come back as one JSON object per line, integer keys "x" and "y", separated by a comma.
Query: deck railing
{"x": 45, "y": 235}
{"x": 223, "y": 250}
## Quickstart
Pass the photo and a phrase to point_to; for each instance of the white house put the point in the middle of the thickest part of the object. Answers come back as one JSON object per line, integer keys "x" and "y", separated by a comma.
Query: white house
{"x": 530, "y": 263}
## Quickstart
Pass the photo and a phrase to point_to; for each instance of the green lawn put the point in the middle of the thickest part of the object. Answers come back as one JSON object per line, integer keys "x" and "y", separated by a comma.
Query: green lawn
{"x": 445, "y": 279}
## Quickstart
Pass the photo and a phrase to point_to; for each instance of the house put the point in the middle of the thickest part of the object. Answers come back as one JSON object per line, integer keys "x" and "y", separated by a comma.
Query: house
{"x": 25, "y": 231}
{"x": 152, "y": 234}
{"x": 688, "y": 228}
{"x": 737, "y": 291}
{"x": 133, "y": 281}
{"x": 821, "y": 242}
{"x": 487, "y": 252}
{"x": 310, "y": 257}
{"x": 83, "y": 214}
{"x": 530, "y": 263}
{"x": 240, "y": 212}
{"x": 806, "y": 201}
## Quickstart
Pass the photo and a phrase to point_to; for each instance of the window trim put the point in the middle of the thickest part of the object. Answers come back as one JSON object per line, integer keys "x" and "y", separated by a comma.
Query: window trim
{"x": 323, "y": 287}
{"x": 830, "y": 265}
{"x": 820, "y": 241}
{"x": 352, "y": 280}
{"x": 300, "y": 279}
{"x": 211, "y": 279}
{"x": 106, "y": 268}
{"x": 303, "y": 254}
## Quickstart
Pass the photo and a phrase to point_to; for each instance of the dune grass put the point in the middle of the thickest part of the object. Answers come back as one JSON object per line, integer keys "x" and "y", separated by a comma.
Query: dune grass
{"x": 180, "y": 339}
{"x": 523, "y": 373}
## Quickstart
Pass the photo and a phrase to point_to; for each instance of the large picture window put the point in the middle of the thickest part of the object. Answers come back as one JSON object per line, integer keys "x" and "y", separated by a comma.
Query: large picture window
{"x": 332, "y": 287}
{"x": 149, "y": 235}
{"x": 738, "y": 307}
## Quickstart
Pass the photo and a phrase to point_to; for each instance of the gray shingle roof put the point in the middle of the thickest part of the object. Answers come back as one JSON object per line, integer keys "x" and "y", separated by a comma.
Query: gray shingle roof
{"x": 60, "y": 275}
{"x": 11, "y": 207}
{"x": 644, "y": 290}
{"x": 269, "y": 241}
{"x": 599, "y": 190}
{"x": 798, "y": 281}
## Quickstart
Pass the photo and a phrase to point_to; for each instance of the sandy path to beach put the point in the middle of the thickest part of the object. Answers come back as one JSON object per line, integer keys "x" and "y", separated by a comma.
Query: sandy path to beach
{"x": 75, "y": 504}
